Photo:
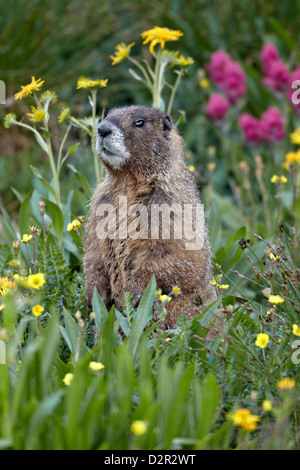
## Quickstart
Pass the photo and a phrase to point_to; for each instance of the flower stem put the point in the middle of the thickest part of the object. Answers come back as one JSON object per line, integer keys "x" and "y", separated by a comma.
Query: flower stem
{"x": 94, "y": 137}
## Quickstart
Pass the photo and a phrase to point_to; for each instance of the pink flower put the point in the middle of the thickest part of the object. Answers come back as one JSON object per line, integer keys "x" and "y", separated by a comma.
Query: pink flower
{"x": 277, "y": 75}
{"x": 295, "y": 75}
{"x": 234, "y": 84}
{"x": 269, "y": 53}
{"x": 217, "y": 66}
{"x": 227, "y": 75}
{"x": 217, "y": 106}
{"x": 252, "y": 128}
{"x": 272, "y": 124}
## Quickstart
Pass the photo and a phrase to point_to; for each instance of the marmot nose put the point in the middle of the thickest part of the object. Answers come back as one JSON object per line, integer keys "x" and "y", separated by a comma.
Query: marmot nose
{"x": 104, "y": 131}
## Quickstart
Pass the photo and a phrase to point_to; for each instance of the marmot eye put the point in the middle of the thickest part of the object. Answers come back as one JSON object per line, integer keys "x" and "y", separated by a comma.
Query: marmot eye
{"x": 139, "y": 123}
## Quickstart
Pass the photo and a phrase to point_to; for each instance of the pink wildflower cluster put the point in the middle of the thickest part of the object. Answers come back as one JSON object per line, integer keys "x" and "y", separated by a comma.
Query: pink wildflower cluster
{"x": 230, "y": 79}
{"x": 276, "y": 72}
{"x": 269, "y": 128}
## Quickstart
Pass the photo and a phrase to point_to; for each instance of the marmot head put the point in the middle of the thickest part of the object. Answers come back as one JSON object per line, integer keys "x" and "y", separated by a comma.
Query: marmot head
{"x": 138, "y": 139}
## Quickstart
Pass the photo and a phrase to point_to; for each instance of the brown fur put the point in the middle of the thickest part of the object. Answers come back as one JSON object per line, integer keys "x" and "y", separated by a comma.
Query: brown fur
{"x": 154, "y": 172}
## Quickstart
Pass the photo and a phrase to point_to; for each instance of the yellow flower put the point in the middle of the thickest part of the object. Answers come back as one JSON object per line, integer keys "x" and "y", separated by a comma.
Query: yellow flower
{"x": 26, "y": 238}
{"x": 262, "y": 340}
{"x": 65, "y": 113}
{"x": 73, "y": 225}
{"x": 95, "y": 366}
{"x": 291, "y": 158}
{"x": 223, "y": 286}
{"x": 267, "y": 405}
{"x": 184, "y": 61}
{"x": 165, "y": 298}
{"x": 296, "y": 329}
{"x": 192, "y": 168}
{"x": 204, "y": 83}
{"x": 157, "y": 293}
{"x": 9, "y": 119}
{"x": 295, "y": 136}
{"x": 2, "y": 306}
{"x": 122, "y": 51}
{"x": 6, "y": 285}
{"x": 26, "y": 90}
{"x": 36, "y": 281}
{"x": 160, "y": 36}
{"x": 37, "y": 114}
{"x": 21, "y": 281}
{"x": 14, "y": 263}
{"x": 176, "y": 290}
{"x": 139, "y": 427}
{"x": 275, "y": 299}
{"x": 88, "y": 83}
{"x": 16, "y": 246}
{"x": 286, "y": 384}
{"x": 270, "y": 311}
{"x": 244, "y": 418}
{"x": 278, "y": 179}
{"x": 68, "y": 378}
{"x": 48, "y": 96}
{"x": 37, "y": 310}
{"x": 274, "y": 257}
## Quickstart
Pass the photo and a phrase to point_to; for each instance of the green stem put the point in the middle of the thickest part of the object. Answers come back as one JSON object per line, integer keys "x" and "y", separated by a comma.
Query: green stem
{"x": 157, "y": 81}
{"x": 94, "y": 137}
{"x": 61, "y": 148}
{"x": 144, "y": 72}
{"x": 174, "y": 90}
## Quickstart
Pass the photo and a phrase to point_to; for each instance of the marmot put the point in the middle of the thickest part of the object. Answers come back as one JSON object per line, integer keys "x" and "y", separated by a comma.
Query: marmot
{"x": 145, "y": 167}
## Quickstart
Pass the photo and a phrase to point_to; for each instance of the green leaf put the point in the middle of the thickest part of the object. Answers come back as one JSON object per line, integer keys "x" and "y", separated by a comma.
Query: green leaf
{"x": 43, "y": 180}
{"x": 82, "y": 180}
{"x": 71, "y": 150}
{"x": 57, "y": 218}
{"x": 214, "y": 225}
{"x": 99, "y": 309}
{"x": 142, "y": 317}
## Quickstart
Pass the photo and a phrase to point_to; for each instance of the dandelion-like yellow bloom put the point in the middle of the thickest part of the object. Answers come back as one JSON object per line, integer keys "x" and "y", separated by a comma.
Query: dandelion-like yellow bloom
{"x": 245, "y": 419}
{"x": 26, "y": 238}
{"x": 160, "y": 36}
{"x": 27, "y": 90}
{"x": 95, "y": 366}
{"x": 262, "y": 340}
{"x": 176, "y": 290}
{"x": 286, "y": 384}
{"x": 73, "y": 226}
{"x": 273, "y": 257}
{"x": 267, "y": 405}
{"x": 88, "y": 83}
{"x": 37, "y": 114}
{"x": 275, "y": 299}
{"x": 68, "y": 379}
{"x": 36, "y": 281}
{"x": 139, "y": 427}
{"x": 295, "y": 136}
{"x": 6, "y": 285}
{"x": 278, "y": 179}
{"x": 65, "y": 113}
{"x": 192, "y": 169}
{"x": 9, "y": 119}
{"x": 121, "y": 52}
{"x": 296, "y": 330}
{"x": 37, "y": 310}
{"x": 213, "y": 283}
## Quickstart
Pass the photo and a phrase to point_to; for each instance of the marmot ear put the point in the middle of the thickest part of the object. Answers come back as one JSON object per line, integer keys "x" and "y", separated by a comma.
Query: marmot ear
{"x": 167, "y": 122}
